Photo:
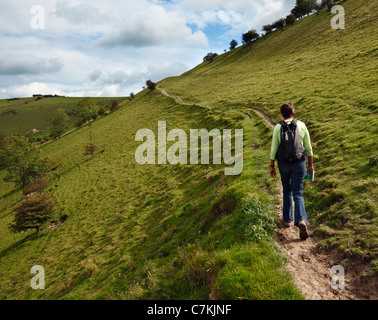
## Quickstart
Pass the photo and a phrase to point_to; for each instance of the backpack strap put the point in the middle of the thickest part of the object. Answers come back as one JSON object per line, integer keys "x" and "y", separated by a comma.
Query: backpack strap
{"x": 285, "y": 126}
{"x": 293, "y": 125}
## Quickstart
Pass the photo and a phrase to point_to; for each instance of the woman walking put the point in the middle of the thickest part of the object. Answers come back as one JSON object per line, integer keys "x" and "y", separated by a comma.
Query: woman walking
{"x": 291, "y": 145}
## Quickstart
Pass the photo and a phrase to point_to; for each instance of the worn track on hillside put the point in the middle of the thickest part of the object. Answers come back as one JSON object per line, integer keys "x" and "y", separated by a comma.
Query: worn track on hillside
{"x": 309, "y": 266}
{"x": 311, "y": 269}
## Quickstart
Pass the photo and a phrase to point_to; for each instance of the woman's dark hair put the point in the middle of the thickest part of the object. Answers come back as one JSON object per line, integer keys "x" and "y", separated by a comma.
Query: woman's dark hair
{"x": 287, "y": 110}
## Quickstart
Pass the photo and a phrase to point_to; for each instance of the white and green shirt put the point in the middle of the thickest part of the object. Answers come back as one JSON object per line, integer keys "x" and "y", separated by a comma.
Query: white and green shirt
{"x": 303, "y": 134}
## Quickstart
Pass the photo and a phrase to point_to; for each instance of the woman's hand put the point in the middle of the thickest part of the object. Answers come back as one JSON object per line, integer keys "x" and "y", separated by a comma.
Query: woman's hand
{"x": 272, "y": 170}
{"x": 310, "y": 168}
{"x": 273, "y": 173}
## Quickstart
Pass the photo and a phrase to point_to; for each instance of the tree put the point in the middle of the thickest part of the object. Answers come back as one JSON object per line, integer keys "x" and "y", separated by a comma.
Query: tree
{"x": 32, "y": 213}
{"x": 325, "y": 3}
{"x": 210, "y": 57}
{"x": 151, "y": 85}
{"x": 87, "y": 109}
{"x": 233, "y": 44}
{"x": 268, "y": 28}
{"x": 23, "y": 163}
{"x": 59, "y": 120}
{"x": 91, "y": 147}
{"x": 330, "y": 5}
{"x": 303, "y": 7}
{"x": 250, "y": 36}
{"x": 102, "y": 111}
{"x": 114, "y": 106}
{"x": 280, "y": 23}
{"x": 290, "y": 20}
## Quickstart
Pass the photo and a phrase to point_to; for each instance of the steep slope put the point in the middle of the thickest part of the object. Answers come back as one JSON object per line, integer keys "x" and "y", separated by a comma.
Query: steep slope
{"x": 330, "y": 76}
{"x": 179, "y": 232}
{"x": 152, "y": 231}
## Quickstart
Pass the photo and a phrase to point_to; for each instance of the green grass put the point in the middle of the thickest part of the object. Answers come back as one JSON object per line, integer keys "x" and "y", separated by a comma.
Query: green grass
{"x": 149, "y": 232}
{"x": 22, "y": 115}
{"x": 330, "y": 76}
{"x": 190, "y": 232}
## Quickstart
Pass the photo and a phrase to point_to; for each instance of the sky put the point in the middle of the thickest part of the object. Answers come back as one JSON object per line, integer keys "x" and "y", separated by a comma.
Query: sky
{"x": 103, "y": 48}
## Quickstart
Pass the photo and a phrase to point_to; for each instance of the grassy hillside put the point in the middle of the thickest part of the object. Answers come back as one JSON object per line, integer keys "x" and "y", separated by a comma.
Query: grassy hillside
{"x": 22, "y": 115}
{"x": 161, "y": 232}
{"x": 189, "y": 231}
{"x": 331, "y": 77}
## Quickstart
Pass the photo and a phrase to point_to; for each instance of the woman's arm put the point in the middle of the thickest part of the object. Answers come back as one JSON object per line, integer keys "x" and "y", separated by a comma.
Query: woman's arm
{"x": 310, "y": 164}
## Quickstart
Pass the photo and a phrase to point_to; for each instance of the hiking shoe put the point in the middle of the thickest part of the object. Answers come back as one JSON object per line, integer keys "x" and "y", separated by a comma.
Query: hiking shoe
{"x": 303, "y": 234}
{"x": 287, "y": 224}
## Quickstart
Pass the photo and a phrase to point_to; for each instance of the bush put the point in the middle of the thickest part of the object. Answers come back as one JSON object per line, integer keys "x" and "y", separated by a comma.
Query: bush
{"x": 330, "y": 5}
{"x": 151, "y": 85}
{"x": 60, "y": 122}
{"x": 258, "y": 220}
{"x": 32, "y": 213}
{"x": 290, "y": 20}
{"x": 280, "y": 23}
{"x": 87, "y": 110}
{"x": 233, "y": 44}
{"x": 250, "y": 36}
{"x": 22, "y": 162}
{"x": 303, "y": 7}
{"x": 102, "y": 111}
{"x": 268, "y": 28}
{"x": 38, "y": 185}
{"x": 200, "y": 266}
{"x": 90, "y": 149}
{"x": 325, "y": 3}
{"x": 114, "y": 106}
{"x": 210, "y": 57}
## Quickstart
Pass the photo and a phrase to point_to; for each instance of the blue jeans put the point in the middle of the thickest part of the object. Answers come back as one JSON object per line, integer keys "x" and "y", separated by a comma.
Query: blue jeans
{"x": 292, "y": 175}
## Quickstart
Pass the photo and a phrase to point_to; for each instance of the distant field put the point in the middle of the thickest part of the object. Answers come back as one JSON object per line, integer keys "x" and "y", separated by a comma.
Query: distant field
{"x": 22, "y": 115}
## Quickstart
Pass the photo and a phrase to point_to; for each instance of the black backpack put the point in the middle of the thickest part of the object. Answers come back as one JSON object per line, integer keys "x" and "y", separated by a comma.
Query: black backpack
{"x": 290, "y": 148}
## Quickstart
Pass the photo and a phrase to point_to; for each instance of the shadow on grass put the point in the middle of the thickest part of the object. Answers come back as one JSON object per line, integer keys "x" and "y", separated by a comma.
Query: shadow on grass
{"x": 17, "y": 245}
{"x": 9, "y": 193}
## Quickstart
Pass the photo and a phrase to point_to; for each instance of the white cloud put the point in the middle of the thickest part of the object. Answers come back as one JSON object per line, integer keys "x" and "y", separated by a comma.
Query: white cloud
{"x": 32, "y": 88}
{"x": 99, "y": 47}
{"x": 239, "y": 14}
{"x": 152, "y": 27}
{"x": 81, "y": 13}
{"x": 95, "y": 75}
{"x": 27, "y": 64}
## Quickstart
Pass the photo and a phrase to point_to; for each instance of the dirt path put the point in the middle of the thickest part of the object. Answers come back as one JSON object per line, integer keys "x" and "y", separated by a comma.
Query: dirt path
{"x": 311, "y": 269}
{"x": 178, "y": 99}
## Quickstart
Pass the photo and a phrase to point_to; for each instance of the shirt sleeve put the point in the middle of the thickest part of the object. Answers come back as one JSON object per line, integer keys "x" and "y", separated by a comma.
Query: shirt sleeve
{"x": 307, "y": 143}
{"x": 275, "y": 141}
